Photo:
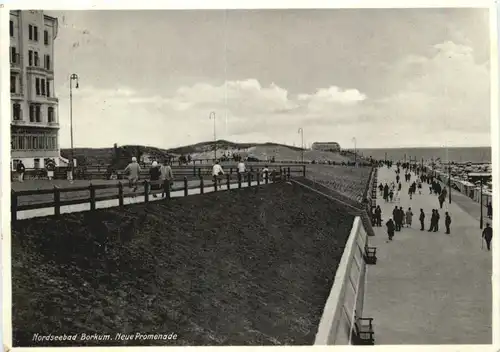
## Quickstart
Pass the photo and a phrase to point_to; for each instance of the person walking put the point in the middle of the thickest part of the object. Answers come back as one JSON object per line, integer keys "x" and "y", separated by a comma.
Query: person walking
{"x": 217, "y": 172}
{"x": 441, "y": 199}
{"x": 386, "y": 192}
{"x": 390, "y": 229}
{"x": 433, "y": 221}
{"x": 241, "y": 167}
{"x": 447, "y": 222}
{"x": 20, "y": 169}
{"x": 166, "y": 176}
{"x": 401, "y": 217}
{"x": 436, "y": 224}
{"x": 133, "y": 171}
{"x": 409, "y": 217}
{"x": 154, "y": 178}
{"x": 378, "y": 216}
{"x": 395, "y": 216}
{"x": 487, "y": 235}
{"x": 422, "y": 219}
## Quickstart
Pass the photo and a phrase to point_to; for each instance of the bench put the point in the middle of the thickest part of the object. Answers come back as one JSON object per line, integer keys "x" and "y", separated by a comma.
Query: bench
{"x": 370, "y": 255}
{"x": 363, "y": 333}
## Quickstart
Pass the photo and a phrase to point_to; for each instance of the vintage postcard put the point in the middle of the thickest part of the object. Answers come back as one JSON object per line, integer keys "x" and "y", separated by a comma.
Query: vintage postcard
{"x": 249, "y": 176}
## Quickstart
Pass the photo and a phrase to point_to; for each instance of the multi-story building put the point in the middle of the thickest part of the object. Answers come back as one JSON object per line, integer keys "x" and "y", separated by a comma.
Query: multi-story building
{"x": 326, "y": 146}
{"x": 34, "y": 106}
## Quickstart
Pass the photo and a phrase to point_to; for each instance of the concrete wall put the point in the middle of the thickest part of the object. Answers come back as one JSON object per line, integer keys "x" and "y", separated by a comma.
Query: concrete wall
{"x": 347, "y": 293}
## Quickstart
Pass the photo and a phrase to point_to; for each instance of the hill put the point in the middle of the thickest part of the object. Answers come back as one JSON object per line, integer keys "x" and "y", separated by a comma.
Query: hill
{"x": 204, "y": 150}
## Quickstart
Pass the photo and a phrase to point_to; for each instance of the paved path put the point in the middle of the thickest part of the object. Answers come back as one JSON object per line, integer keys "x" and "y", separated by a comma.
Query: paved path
{"x": 429, "y": 287}
{"x": 25, "y": 214}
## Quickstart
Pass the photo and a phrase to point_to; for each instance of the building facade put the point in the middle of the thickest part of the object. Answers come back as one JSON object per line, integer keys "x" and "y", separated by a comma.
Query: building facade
{"x": 34, "y": 106}
{"x": 326, "y": 146}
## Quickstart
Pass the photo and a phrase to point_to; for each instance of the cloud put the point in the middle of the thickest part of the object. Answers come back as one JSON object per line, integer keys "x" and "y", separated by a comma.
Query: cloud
{"x": 443, "y": 100}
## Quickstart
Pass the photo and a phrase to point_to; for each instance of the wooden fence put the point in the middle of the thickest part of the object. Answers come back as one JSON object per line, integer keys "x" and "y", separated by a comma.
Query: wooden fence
{"x": 166, "y": 188}
{"x": 189, "y": 171}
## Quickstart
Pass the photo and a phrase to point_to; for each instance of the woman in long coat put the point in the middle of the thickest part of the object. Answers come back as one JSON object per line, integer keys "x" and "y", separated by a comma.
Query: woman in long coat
{"x": 386, "y": 192}
{"x": 409, "y": 217}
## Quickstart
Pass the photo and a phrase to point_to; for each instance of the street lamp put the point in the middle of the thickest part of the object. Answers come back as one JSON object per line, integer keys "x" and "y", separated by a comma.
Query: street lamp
{"x": 212, "y": 116}
{"x": 301, "y": 132}
{"x": 72, "y": 77}
{"x": 355, "y": 152}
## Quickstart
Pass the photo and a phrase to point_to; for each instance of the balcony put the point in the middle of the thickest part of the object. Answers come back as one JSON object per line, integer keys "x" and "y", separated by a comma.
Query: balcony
{"x": 15, "y": 66}
{"x": 16, "y": 96}
{"x": 18, "y": 122}
{"x": 40, "y": 70}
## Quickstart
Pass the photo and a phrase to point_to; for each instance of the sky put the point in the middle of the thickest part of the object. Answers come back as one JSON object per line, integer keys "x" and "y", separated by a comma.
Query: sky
{"x": 386, "y": 77}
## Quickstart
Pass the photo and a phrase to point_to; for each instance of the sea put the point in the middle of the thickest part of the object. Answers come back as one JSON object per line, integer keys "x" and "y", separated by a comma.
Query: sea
{"x": 458, "y": 154}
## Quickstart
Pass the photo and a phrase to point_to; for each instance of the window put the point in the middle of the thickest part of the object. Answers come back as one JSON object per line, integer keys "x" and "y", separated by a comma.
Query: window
{"x": 37, "y": 86}
{"x": 46, "y": 37}
{"x": 38, "y": 112}
{"x": 30, "y": 32}
{"x": 50, "y": 114}
{"x": 47, "y": 62}
{"x": 13, "y": 54}
{"x": 11, "y": 28}
{"x": 42, "y": 86}
{"x": 12, "y": 83}
{"x": 30, "y": 58}
{"x": 48, "y": 88}
{"x": 35, "y": 33}
{"x": 32, "y": 113}
{"x": 16, "y": 109}
{"x": 37, "y": 59}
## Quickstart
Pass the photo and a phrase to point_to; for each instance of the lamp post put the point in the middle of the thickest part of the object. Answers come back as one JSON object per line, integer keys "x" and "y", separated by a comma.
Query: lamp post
{"x": 301, "y": 132}
{"x": 72, "y": 77}
{"x": 481, "y": 203}
{"x": 355, "y": 152}
{"x": 212, "y": 116}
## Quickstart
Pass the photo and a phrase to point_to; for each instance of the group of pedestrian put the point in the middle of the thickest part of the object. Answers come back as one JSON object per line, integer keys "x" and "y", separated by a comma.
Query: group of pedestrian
{"x": 158, "y": 175}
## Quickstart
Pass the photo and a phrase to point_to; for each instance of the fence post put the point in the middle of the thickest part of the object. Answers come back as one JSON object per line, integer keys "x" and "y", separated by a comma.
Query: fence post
{"x": 57, "y": 201}
{"x": 146, "y": 191}
{"x": 266, "y": 176}
{"x": 215, "y": 183}
{"x": 120, "y": 194}
{"x": 228, "y": 177}
{"x": 239, "y": 180}
{"x": 13, "y": 205}
{"x": 185, "y": 186}
{"x": 166, "y": 188}
{"x": 92, "y": 197}
{"x": 303, "y": 171}
{"x": 201, "y": 185}
{"x": 249, "y": 178}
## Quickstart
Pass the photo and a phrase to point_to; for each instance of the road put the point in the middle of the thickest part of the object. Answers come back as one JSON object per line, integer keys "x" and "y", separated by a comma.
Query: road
{"x": 429, "y": 287}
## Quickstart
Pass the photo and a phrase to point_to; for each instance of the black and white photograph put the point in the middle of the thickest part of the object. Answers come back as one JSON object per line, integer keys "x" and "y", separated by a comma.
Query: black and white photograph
{"x": 249, "y": 177}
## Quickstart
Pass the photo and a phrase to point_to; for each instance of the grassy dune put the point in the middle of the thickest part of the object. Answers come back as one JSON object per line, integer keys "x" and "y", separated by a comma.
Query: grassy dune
{"x": 246, "y": 267}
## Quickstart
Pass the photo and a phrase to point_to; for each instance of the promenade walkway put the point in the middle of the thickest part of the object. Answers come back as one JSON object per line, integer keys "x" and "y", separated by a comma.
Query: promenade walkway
{"x": 430, "y": 287}
{"x": 25, "y": 214}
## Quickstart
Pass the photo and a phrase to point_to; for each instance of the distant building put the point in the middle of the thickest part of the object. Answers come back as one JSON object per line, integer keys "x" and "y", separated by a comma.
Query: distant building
{"x": 326, "y": 146}
{"x": 34, "y": 106}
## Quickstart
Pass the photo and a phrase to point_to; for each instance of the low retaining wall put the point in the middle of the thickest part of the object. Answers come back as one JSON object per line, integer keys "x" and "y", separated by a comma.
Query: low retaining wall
{"x": 347, "y": 293}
